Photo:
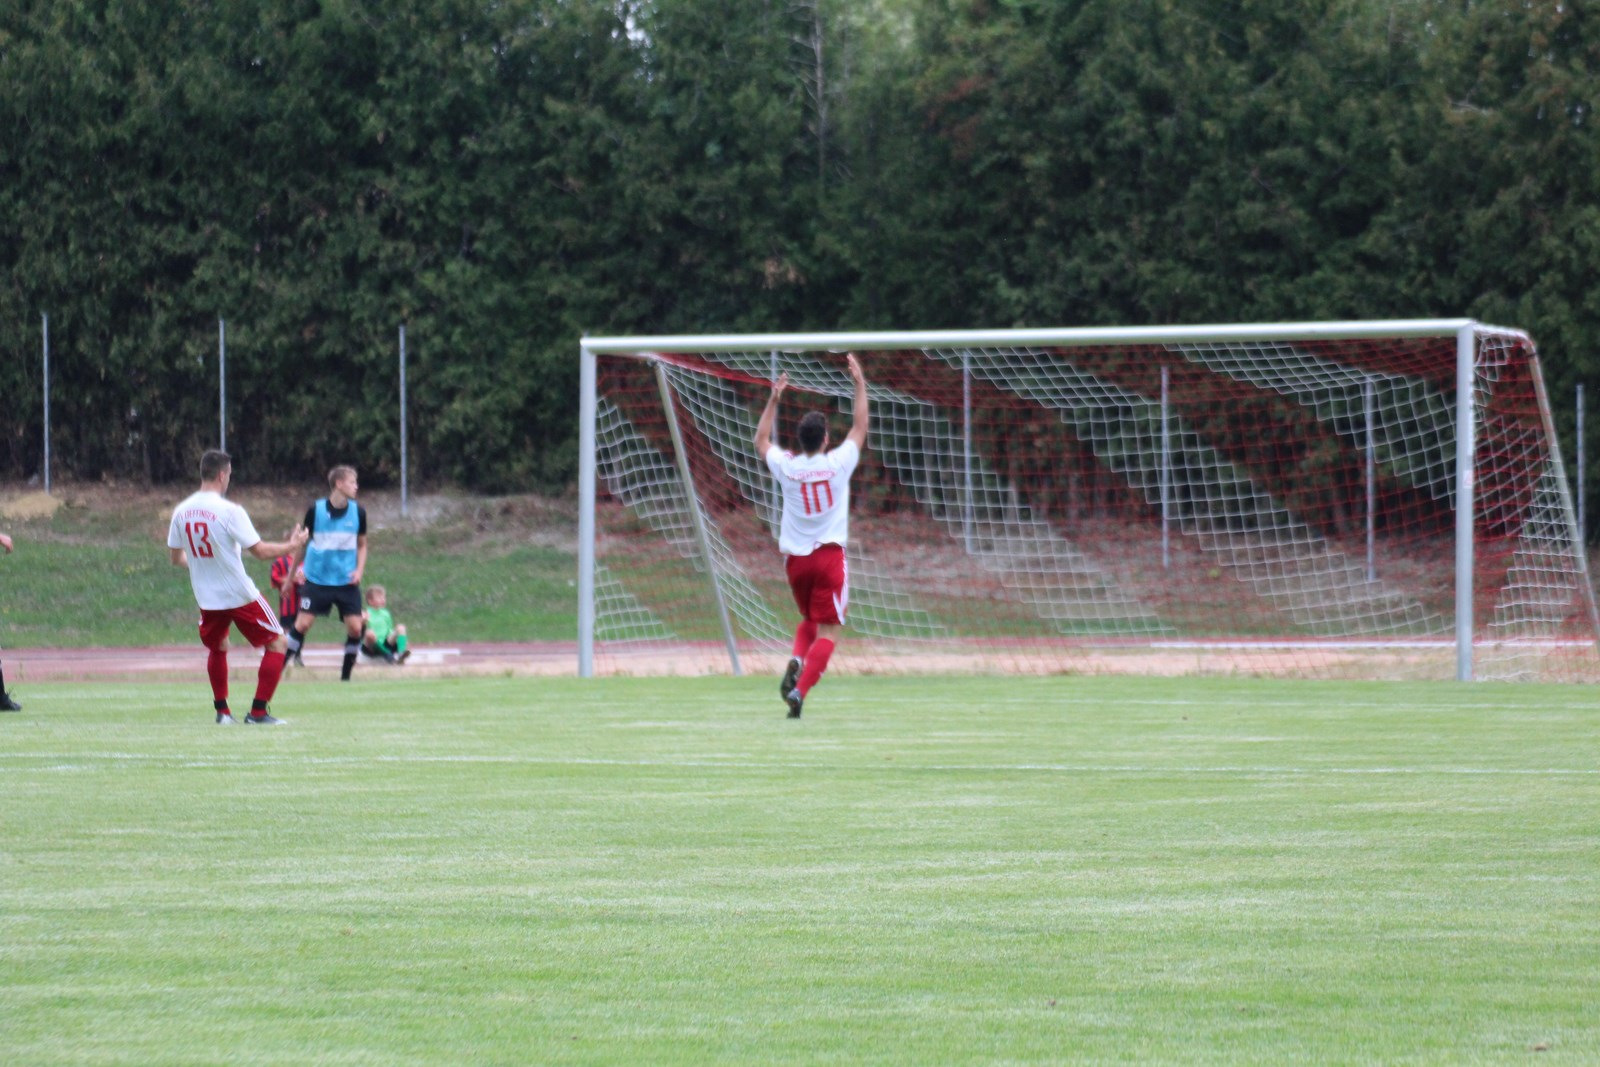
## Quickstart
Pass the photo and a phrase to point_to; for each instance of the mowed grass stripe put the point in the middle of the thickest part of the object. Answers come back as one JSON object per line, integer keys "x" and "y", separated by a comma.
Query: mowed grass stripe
{"x": 61, "y": 762}
{"x": 666, "y": 871}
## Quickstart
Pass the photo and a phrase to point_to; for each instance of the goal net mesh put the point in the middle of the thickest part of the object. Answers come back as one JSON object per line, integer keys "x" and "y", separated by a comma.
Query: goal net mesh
{"x": 1283, "y": 508}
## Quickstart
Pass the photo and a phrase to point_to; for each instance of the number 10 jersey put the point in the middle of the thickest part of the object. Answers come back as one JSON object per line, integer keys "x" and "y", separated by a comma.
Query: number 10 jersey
{"x": 816, "y": 496}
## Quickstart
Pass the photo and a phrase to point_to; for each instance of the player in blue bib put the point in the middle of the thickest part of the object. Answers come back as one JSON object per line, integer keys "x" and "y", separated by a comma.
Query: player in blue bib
{"x": 335, "y": 557}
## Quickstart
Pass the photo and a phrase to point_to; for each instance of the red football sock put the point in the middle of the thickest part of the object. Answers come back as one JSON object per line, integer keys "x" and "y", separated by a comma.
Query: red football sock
{"x": 804, "y": 635}
{"x": 267, "y": 678}
{"x": 816, "y": 663}
{"x": 217, "y": 671}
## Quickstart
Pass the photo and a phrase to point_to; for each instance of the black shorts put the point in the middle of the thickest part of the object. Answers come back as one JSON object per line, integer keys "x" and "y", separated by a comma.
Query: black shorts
{"x": 317, "y": 599}
{"x": 388, "y": 644}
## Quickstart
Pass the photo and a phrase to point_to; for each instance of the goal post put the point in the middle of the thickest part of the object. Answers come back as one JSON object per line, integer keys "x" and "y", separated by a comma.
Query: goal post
{"x": 1351, "y": 499}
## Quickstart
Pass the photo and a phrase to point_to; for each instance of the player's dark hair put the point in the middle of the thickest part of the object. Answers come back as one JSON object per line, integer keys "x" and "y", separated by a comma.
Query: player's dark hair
{"x": 813, "y": 430}
{"x": 212, "y": 463}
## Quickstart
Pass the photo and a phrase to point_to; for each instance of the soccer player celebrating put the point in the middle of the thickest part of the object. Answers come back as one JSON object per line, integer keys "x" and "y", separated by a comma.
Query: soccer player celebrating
{"x": 335, "y": 557}
{"x": 816, "y": 525}
{"x": 207, "y": 535}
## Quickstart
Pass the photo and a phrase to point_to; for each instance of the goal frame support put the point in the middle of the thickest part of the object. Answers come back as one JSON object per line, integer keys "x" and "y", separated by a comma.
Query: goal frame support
{"x": 1466, "y": 443}
{"x": 1466, "y": 332}
{"x": 588, "y": 410}
{"x": 702, "y": 538}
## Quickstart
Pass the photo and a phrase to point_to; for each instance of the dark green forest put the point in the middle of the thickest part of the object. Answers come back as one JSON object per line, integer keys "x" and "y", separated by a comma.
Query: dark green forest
{"x": 502, "y": 176}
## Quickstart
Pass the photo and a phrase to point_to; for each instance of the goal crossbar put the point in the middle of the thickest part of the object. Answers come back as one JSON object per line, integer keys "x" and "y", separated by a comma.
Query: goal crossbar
{"x": 1064, "y": 337}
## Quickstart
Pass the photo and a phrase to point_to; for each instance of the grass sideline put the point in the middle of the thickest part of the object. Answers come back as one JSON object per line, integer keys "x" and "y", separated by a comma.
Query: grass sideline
{"x": 96, "y": 573}
{"x": 668, "y": 872}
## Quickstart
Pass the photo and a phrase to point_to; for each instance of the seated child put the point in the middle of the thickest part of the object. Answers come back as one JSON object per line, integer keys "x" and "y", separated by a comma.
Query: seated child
{"x": 382, "y": 637}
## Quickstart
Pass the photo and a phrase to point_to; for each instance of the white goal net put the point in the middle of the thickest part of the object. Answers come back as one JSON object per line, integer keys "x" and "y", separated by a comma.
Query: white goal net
{"x": 1260, "y": 499}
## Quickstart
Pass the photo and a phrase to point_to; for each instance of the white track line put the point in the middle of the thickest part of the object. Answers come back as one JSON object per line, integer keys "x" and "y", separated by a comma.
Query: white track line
{"x": 80, "y": 761}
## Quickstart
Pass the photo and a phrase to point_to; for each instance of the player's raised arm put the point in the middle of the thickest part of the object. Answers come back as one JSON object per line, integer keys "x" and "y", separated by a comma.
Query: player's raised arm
{"x": 859, "y": 415}
{"x": 769, "y": 415}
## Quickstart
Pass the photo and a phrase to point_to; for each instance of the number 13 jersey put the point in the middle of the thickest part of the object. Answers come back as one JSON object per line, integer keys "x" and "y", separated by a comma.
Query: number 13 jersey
{"x": 816, "y": 496}
{"x": 214, "y": 531}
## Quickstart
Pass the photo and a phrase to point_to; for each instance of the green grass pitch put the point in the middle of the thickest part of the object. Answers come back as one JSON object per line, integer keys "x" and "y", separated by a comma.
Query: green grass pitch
{"x": 948, "y": 871}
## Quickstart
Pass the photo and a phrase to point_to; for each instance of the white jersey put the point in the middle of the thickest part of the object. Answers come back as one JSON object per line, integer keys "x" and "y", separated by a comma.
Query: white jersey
{"x": 816, "y": 496}
{"x": 214, "y": 531}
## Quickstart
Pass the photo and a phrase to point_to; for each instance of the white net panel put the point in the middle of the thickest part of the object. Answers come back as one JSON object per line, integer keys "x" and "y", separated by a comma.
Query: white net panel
{"x": 1272, "y": 507}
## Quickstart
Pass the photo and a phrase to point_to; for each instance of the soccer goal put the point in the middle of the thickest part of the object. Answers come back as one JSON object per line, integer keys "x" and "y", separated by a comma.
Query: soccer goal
{"x": 1360, "y": 500}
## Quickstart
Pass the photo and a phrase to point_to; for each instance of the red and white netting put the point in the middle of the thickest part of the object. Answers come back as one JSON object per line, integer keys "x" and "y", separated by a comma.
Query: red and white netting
{"x": 1282, "y": 507}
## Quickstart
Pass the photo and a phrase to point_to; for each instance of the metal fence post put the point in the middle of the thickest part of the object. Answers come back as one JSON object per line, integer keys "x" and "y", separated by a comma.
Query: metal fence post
{"x": 46, "y": 320}
{"x": 404, "y": 473}
{"x": 222, "y": 385}
{"x": 1166, "y": 469}
{"x": 1583, "y": 528}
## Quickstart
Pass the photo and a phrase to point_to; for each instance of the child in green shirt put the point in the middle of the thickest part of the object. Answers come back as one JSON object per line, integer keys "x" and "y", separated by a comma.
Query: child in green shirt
{"x": 383, "y": 637}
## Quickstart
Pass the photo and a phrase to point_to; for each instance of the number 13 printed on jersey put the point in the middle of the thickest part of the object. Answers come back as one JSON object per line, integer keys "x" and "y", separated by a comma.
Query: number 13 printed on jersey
{"x": 199, "y": 540}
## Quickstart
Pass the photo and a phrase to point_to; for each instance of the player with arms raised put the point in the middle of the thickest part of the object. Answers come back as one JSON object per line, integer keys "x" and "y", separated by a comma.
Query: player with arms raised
{"x": 207, "y": 535}
{"x": 815, "y": 484}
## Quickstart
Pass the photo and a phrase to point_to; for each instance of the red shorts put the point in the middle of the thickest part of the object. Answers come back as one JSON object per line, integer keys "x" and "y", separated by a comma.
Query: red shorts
{"x": 255, "y": 621}
{"x": 821, "y": 584}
